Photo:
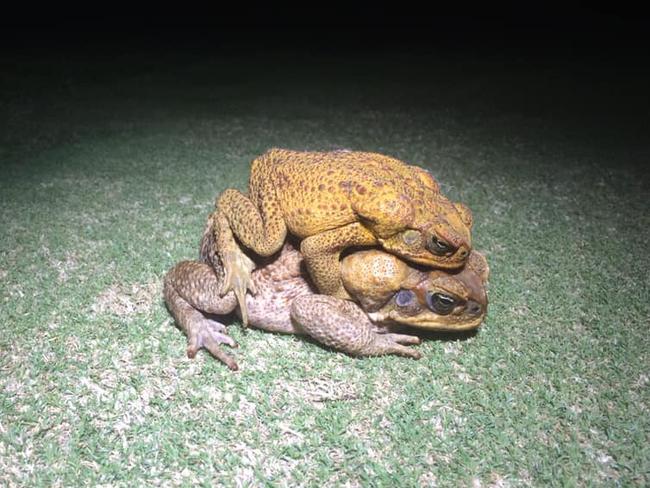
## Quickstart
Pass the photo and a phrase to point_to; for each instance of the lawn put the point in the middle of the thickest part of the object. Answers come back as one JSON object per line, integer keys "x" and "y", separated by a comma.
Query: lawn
{"x": 110, "y": 163}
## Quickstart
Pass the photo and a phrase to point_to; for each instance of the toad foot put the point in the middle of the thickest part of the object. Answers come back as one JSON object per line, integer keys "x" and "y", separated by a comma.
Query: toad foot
{"x": 238, "y": 268}
{"x": 209, "y": 334}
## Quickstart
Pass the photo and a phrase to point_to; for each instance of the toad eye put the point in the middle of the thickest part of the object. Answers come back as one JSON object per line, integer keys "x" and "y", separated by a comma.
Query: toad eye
{"x": 404, "y": 298}
{"x": 439, "y": 247}
{"x": 440, "y": 303}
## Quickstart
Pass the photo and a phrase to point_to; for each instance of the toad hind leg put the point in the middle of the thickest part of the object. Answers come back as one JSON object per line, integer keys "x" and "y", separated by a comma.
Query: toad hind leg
{"x": 258, "y": 224}
{"x": 322, "y": 252}
{"x": 190, "y": 289}
{"x": 344, "y": 326}
{"x": 256, "y": 221}
{"x": 237, "y": 266}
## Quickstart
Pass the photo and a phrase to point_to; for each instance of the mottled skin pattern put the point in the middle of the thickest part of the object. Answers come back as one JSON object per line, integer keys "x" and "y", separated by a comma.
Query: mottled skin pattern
{"x": 332, "y": 201}
{"x": 286, "y": 302}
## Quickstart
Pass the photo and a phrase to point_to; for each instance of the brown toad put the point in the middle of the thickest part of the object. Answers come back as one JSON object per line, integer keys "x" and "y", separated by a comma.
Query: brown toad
{"x": 389, "y": 293}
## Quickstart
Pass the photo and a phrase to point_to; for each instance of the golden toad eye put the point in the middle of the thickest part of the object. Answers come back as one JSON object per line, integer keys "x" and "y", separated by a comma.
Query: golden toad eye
{"x": 439, "y": 247}
{"x": 440, "y": 303}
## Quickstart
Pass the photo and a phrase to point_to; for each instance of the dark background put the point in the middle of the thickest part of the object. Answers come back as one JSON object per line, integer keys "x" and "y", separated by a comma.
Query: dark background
{"x": 332, "y": 26}
{"x": 592, "y": 60}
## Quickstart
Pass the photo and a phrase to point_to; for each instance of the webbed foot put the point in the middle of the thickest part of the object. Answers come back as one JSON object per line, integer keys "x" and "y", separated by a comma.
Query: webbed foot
{"x": 209, "y": 334}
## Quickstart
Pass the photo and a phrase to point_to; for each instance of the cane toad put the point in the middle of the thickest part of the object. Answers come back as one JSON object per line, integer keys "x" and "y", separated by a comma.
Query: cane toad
{"x": 387, "y": 290}
{"x": 332, "y": 201}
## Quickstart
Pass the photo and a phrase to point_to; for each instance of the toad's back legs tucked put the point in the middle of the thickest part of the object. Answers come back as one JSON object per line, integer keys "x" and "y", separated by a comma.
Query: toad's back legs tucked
{"x": 256, "y": 220}
{"x": 191, "y": 288}
{"x": 258, "y": 223}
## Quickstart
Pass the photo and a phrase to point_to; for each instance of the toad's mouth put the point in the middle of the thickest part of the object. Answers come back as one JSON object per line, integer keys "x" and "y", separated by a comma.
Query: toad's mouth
{"x": 448, "y": 261}
{"x": 437, "y": 323}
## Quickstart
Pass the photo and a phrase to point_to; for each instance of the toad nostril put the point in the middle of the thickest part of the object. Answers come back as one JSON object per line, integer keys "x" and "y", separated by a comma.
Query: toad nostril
{"x": 463, "y": 253}
{"x": 473, "y": 308}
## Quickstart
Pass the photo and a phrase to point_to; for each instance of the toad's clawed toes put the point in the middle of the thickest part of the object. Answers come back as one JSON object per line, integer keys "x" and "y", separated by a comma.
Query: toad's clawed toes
{"x": 393, "y": 344}
{"x": 404, "y": 338}
{"x": 209, "y": 335}
{"x": 238, "y": 278}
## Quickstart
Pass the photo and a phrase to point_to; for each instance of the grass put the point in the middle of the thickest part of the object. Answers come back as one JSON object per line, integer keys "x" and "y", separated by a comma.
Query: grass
{"x": 109, "y": 169}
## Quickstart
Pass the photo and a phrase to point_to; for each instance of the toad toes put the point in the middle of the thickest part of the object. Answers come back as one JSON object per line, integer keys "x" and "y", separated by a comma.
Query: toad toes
{"x": 332, "y": 201}
{"x": 286, "y": 302}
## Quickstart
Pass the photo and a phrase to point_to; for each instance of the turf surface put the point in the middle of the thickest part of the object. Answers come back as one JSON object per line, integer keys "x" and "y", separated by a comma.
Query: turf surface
{"x": 110, "y": 165}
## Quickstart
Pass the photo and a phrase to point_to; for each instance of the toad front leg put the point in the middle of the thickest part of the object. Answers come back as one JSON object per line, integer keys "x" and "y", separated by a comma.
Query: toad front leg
{"x": 190, "y": 291}
{"x": 344, "y": 326}
{"x": 321, "y": 253}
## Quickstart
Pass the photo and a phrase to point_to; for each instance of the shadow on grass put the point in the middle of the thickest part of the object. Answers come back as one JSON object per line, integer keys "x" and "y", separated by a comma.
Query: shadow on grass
{"x": 433, "y": 335}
